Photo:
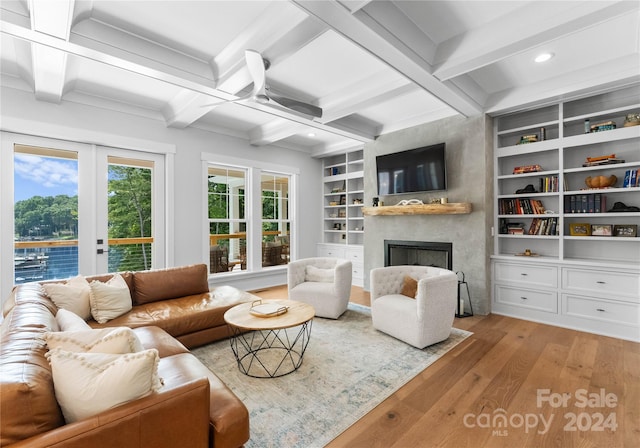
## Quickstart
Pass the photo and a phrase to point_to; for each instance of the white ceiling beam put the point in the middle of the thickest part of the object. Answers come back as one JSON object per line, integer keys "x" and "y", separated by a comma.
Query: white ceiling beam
{"x": 406, "y": 62}
{"x": 187, "y": 107}
{"x": 510, "y": 35}
{"x": 387, "y": 20}
{"x": 273, "y": 131}
{"x": 167, "y": 76}
{"x": 52, "y": 17}
{"x": 354, "y": 5}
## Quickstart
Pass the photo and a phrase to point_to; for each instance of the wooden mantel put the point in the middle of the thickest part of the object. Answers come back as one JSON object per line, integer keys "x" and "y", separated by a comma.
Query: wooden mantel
{"x": 454, "y": 208}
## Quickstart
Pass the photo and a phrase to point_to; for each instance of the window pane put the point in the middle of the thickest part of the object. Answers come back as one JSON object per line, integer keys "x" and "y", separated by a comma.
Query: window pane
{"x": 129, "y": 214}
{"x": 227, "y": 225}
{"x": 45, "y": 213}
{"x": 275, "y": 219}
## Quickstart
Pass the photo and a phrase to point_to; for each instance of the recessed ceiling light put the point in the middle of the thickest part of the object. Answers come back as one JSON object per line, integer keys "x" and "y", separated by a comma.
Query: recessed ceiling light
{"x": 543, "y": 57}
{"x": 311, "y": 134}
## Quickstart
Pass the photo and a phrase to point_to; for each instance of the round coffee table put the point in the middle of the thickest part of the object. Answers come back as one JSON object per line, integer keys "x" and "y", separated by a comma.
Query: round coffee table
{"x": 269, "y": 346}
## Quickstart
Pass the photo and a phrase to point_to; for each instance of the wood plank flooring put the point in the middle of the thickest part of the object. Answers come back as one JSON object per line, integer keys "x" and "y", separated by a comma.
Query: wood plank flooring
{"x": 485, "y": 392}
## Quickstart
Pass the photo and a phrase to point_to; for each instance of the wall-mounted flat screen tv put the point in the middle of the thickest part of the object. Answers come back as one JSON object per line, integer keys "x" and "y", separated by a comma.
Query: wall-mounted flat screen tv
{"x": 414, "y": 170}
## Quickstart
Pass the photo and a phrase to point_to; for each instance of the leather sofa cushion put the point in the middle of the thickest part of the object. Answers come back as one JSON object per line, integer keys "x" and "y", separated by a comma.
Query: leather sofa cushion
{"x": 178, "y": 316}
{"x": 28, "y": 405}
{"x": 163, "y": 284}
{"x": 155, "y": 337}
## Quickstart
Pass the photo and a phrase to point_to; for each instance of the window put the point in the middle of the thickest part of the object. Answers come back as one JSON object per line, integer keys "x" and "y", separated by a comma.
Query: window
{"x": 227, "y": 219}
{"x": 234, "y": 236}
{"x": 275, "y": 218}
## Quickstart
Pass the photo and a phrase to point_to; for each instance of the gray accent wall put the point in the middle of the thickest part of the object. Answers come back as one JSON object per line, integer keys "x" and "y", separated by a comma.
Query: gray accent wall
{"x": 469, "y": 149}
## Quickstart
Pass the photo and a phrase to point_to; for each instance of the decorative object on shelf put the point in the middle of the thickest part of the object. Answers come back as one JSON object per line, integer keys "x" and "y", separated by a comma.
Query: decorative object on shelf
{"x": 602, "y": 160}
{"x": 601, "y": 230}
{"x": 604, "y": 126}
{"x": 357, "y": 201}
{"x": 333, "y": 215}
{"x": 333, "y": 203}
{"x": 528, "y": 189}
{"x": 411, "y": 202}
{"x": 601, "y": 181}
{"x": 435, "y": 201}
{"x": 543, "y": 134}
{"x": 621, "y": 207}
{"x": 586, "y": 126}
{"x": 579, "y": 229}
{"x": 444, "y": 200}
{"x": 625, "y": 230}
{"x": 632, "y": 120}
{"x": 531, "y": 138}
{"x": 343, "y": 200}
{"x": 376, "y": 201}
{"x": 527, "y": 253}
{"x": 527, "y": 169}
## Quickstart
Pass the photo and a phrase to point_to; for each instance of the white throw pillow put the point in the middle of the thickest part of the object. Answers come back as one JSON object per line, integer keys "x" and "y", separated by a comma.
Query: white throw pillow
{"x": 89, "y": 383}
{"x": 314, "y": 274}
{"x": 105, "y": 340}
{"x": 70, "y": 321}
{"x": 109, "y": 300}
{"x": 73, "y": 295}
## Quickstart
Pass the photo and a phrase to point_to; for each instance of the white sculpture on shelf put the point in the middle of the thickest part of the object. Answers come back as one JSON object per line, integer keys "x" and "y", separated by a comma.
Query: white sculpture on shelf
{"x": 410, "y": 202}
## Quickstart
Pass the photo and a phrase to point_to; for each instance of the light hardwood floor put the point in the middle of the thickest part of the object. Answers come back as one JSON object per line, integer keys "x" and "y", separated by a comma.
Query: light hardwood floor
{"x": 503, "y": 369}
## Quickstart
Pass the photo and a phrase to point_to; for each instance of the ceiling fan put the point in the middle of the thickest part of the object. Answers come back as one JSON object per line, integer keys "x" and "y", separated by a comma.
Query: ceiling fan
{"x": 260, "y": 93}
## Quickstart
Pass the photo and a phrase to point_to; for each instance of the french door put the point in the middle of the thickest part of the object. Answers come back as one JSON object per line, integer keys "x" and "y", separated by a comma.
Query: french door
{"x": 70, "y": 208}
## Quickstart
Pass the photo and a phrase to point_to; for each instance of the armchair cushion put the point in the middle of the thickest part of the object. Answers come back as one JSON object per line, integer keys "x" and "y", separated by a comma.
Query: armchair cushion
{"x": 314, "y": 274}
{"x": 409, "y": 287}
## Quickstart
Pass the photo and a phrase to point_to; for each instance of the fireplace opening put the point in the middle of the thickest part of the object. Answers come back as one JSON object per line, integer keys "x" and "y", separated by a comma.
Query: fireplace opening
{"x": 421, "y": 253}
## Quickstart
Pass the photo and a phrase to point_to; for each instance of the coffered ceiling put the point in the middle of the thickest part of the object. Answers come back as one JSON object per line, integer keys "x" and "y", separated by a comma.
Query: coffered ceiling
{"x": 373, "y": 66}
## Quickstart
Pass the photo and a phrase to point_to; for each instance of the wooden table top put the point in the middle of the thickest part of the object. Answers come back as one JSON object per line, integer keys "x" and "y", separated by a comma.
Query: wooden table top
{"x": 297, "y": 314}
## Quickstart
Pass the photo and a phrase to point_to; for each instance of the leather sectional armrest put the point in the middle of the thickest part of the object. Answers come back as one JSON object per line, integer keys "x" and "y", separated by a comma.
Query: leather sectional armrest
{"x": 176, "y": 417}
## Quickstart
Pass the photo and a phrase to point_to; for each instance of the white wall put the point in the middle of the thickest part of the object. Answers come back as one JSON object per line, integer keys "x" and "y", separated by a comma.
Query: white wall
{"x": 20, "y": 112}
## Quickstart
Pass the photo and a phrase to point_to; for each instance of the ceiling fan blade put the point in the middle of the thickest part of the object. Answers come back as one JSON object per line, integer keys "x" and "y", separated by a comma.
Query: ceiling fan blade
{"x": 298, "y": 106}
{"x": 255, "y": 64}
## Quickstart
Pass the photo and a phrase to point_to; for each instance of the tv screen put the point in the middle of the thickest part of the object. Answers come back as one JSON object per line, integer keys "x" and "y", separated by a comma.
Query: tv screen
{"x": 419, "y": 169}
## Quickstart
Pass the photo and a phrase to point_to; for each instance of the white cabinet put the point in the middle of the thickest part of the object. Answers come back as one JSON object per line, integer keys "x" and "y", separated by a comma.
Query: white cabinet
{"x": 352, "y": 253}
{"x": 578, "y": 259}
{"x": 343, "y": 193}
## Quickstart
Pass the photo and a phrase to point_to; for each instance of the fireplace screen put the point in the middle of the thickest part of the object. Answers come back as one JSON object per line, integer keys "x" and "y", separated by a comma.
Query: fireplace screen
{"x": 422, "y": 253}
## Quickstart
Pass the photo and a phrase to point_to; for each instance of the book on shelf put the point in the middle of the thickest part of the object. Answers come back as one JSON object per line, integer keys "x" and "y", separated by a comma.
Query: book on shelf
{"x": 527, "y": 169}
{"x": 585, "y": 203}
{"x": 518, "y": 206}
{"x": 630, "y": 179}
{"x": 543, "y": 226}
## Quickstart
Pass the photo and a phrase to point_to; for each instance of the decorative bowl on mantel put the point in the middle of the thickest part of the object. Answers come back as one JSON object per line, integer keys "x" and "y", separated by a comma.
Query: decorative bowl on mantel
{"x": 600, "y": 181}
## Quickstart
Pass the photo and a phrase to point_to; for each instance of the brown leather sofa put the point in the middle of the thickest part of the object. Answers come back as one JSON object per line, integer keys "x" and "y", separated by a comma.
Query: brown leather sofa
{"x": 172, "y": 309}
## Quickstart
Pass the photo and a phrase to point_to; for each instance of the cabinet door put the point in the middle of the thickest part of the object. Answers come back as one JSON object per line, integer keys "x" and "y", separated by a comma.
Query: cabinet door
{"x": 598, "y": 309}
{"x": 326, "y": 250}
{"x": 527, "y": 298}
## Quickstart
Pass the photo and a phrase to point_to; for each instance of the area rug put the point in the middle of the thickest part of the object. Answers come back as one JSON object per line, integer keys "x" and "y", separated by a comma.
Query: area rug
{"x": 348, "y": 369}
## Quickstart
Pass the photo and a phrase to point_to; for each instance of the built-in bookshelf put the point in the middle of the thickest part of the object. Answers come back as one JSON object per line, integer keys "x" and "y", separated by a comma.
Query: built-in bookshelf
{"x": 551, "y": 223}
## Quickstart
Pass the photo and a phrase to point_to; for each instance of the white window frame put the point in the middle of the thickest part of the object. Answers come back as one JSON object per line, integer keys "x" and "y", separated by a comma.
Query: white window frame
{"x": 253, "y": 201}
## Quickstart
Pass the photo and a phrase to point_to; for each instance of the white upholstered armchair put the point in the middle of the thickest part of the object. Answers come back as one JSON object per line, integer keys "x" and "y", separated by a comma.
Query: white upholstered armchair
{"x": 420, "y": 321}
{"x": 324, "y": 283}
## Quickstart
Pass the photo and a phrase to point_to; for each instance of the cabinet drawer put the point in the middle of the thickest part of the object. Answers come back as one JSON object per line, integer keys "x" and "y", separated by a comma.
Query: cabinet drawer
{"x": 606, "y": 282}
{"x": 546, "y": 276}
{"x": 331, "y": 251}
{"x": 618, "y": 312}
{"x": 357, "y": 270}
{"x": 527, "y": 298}
{"x": 355, "y": 254}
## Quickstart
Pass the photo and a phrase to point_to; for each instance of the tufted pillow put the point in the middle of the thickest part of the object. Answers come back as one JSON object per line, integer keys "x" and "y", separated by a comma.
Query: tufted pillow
{"x": 105, "y": 340}
{"x": 109, "y": 300}
{"x": 73, "y": 295}
{"x": 69, "y": 321}
{"x": 314, "y": 274}
{"x": 86, "y": 384}
{"x": 409, "y": 287}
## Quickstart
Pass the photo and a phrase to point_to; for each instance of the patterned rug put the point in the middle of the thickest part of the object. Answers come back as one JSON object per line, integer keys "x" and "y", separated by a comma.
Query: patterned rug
{"x": 348, "y": 369}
